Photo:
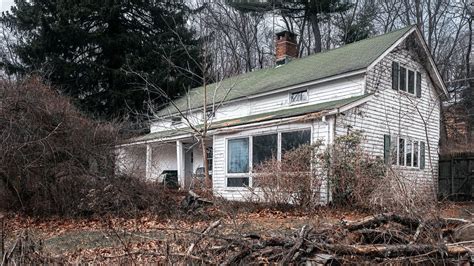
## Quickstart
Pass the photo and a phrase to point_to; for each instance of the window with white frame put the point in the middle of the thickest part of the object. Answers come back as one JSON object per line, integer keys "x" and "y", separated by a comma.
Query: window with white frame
{"x": 258, "y": 149}
{"x": 406, "y": 79}
{"x": 299, "y": 97}
{"x": 407, "y": 152}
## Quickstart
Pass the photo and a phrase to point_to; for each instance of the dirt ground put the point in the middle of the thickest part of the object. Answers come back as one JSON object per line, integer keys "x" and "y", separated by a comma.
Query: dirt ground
{"x": 103, "y": 238}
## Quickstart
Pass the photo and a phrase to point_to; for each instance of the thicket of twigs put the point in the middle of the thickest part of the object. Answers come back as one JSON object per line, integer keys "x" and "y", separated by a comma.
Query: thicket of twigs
{"x": 54, "y": 160}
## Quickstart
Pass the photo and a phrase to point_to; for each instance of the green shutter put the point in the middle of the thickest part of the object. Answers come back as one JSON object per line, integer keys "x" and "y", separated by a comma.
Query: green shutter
{"x": 418, "y": 84}
{"x": 386, "y": 149}
{"x": 422, "y": 155}
{"x": 395, "y": 71}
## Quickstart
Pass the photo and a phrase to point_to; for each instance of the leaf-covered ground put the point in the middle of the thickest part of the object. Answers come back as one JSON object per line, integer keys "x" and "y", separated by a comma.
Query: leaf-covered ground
{"x": 150, "y": 238}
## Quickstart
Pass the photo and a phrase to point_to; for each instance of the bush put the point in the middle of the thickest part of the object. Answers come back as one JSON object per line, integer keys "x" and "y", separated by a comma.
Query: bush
{"x": 289, "y": 181}
{"x": 54, "y": 160}
{"x": 353, "y": 174}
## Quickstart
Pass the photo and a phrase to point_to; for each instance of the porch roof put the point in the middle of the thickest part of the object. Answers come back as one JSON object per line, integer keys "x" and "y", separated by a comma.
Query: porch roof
{"x": 324, "y": 107}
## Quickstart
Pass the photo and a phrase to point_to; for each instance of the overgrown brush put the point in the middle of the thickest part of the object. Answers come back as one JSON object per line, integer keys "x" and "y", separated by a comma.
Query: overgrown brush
{"x": 54, "y": 160}
{"x": 353, "y": 174}
{"x": 290, "y": 180}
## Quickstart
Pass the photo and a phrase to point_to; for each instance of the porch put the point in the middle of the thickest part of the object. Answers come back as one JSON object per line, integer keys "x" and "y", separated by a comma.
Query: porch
{"x": 152, "y": 160}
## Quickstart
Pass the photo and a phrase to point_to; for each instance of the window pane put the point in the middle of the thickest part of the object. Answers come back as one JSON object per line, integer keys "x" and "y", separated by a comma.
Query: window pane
{"x": 393, "y": 150}
{"x": 238, "y": 156}
{"x": 403, "y": 81}
{"x": 300, "y": 96}
{"x": 238, "y": 182}
{"x": 408, "y": 153}
{"x": 294, "y": 139}
{"x": 264, "y": 148}
{"x": 401, "y": 151}
{"x": 411, "y": 82}
{"x": 415, "y": 154}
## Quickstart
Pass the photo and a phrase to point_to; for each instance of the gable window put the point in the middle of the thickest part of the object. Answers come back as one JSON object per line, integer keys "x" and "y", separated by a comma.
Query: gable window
{"x": 407, "y": 152}
{"x": 175, "y": 120}
{"x": 406, "y": 80}
{"x": 299, "y": 97}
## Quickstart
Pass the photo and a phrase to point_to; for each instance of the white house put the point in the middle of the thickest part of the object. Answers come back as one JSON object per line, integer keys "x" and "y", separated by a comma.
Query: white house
{"x": 386, "y": 86}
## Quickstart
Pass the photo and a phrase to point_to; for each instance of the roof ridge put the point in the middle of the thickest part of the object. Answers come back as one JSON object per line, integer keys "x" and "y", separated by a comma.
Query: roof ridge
{"x": 356, "y": 42}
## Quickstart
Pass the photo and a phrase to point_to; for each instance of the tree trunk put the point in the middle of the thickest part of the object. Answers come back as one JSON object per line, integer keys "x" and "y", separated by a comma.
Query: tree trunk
{"x": 316, "y": 32}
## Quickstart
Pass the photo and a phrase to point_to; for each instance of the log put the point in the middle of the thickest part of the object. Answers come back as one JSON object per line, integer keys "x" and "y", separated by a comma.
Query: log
{"x": 393, "y": 251}
{"x": 377, "y": 220}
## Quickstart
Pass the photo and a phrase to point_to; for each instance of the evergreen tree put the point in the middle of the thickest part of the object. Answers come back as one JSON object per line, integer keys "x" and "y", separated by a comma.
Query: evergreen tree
{"x": 83, "y": 47}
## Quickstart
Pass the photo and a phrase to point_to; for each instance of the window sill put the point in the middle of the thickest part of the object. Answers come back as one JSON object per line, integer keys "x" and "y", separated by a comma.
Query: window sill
{"x": 407, "y": 93}
{"x": 407, "y": 168}
{"x": 298, "y": 103}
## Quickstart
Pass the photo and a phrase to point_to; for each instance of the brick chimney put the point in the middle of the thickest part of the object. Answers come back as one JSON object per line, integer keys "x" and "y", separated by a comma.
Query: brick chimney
{"x": 286, "y": 47}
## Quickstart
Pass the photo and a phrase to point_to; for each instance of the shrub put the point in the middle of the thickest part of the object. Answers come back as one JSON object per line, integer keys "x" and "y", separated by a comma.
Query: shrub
{"x": 291, "y": 180}
{"x": 353, "y": 174}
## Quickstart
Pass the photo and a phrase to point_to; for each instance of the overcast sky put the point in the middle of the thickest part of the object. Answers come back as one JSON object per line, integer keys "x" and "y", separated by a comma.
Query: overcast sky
{"x": 6, "y": 4}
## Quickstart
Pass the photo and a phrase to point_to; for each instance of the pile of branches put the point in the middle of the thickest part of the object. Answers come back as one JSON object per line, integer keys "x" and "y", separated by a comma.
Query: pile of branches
{"x": 387, "y": 237}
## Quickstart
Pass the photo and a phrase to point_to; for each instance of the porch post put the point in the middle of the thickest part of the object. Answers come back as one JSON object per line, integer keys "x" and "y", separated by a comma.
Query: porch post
{"x": 180, "y": 163}
{"x": 148, "y": 166}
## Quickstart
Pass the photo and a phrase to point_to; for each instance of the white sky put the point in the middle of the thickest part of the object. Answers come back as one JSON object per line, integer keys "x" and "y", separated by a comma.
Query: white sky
{"x": 6, "y": 4}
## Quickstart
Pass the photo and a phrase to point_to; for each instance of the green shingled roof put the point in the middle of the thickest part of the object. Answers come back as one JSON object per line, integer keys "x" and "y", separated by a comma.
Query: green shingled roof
{"x": 279, "y": 114}
{"x": 355, "y": 56}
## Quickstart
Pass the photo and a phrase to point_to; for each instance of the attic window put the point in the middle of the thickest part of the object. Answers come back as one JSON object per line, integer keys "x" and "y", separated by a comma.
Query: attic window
{"x": 175, "y": 120}
{"x": 299, "y": 97}
{"x": 406, "y": 80}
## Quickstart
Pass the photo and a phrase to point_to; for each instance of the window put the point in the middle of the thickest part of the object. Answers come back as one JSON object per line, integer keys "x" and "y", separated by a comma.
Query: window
{"x": 409, "y": 153}
{"x": 264, "y": 148}
{"x": 238, "y": 182}
{"x": 406, "y": 80}
{"x": 257, "y": 149}
{"x": 411, "y": 82}
{"x": 401, "y": 151}
{"x": 238, "y": 156}
{"x": 415, "y": 153}
{"x": 294, "y": 139}
{"x": 299, "y": 97}
{"x": 209, "y": 157}
{"x": 175, "y": 120}
{"x": 403, "y": 79}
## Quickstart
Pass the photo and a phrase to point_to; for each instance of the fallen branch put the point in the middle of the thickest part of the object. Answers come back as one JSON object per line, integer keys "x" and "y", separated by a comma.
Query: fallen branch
{"x": 204, "y": 233}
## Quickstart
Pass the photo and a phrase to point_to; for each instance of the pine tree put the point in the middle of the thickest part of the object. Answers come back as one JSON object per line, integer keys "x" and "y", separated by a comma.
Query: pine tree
{"x": 84, "y": 47}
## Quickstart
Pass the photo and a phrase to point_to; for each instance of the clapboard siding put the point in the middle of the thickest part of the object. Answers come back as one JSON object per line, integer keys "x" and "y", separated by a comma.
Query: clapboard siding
{"x": 323, "y": 92}
{"x": 396, "y": 113}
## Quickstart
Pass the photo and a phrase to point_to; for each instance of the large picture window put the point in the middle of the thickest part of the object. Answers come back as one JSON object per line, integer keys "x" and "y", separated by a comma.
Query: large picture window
{"x": 264, "y": 147}
{"x": 238, "y": 156}
{"x": 258, "y": 149}
{"x": 294, "y": 139}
